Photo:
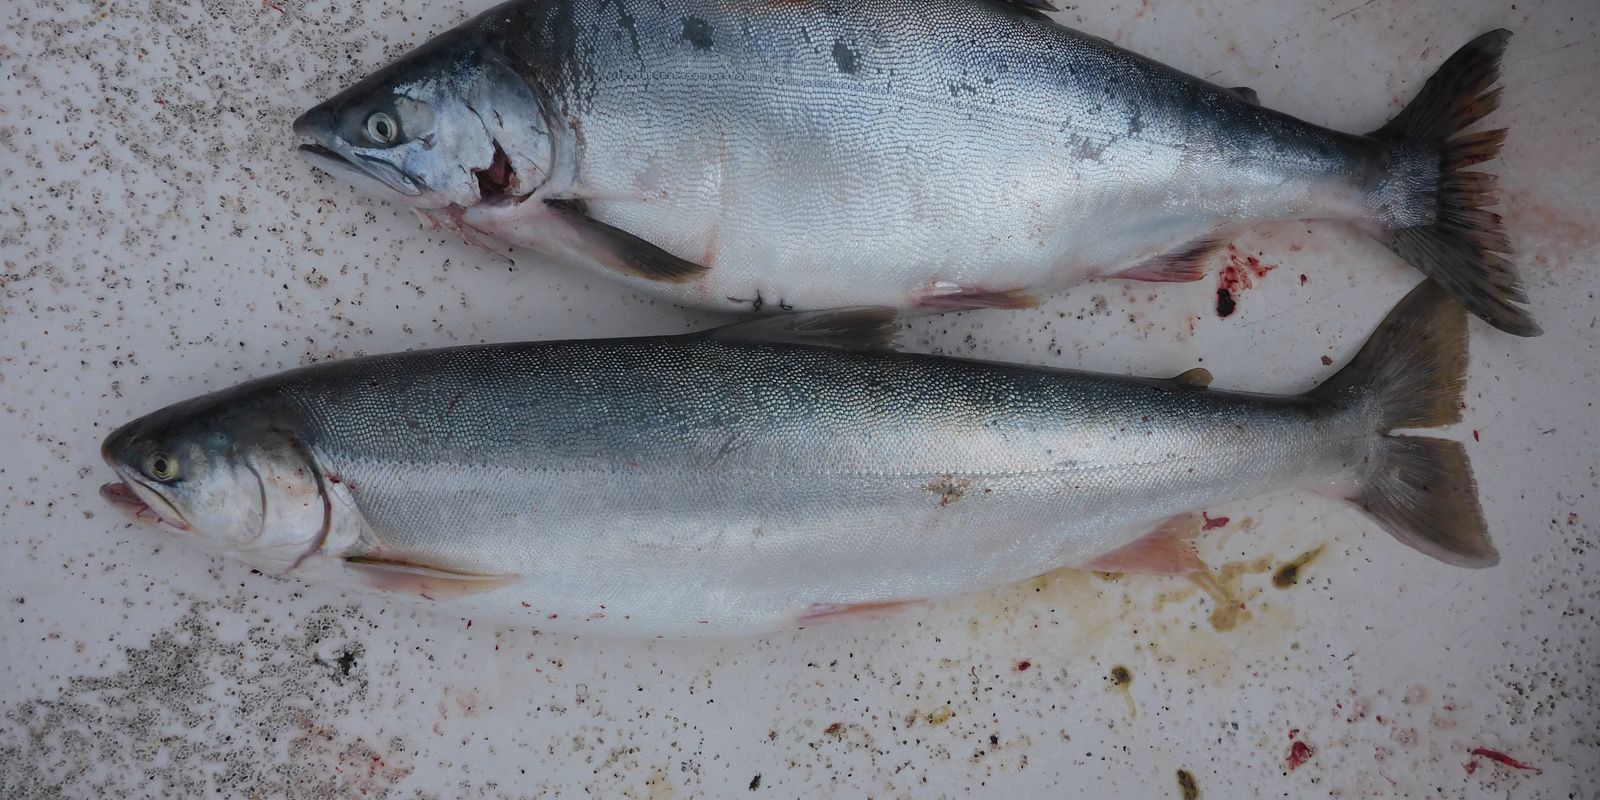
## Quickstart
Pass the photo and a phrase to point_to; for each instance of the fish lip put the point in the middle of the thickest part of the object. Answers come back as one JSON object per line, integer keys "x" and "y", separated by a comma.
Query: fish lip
{"x": 341, "y": 164}
{"x": 124, "y": 495}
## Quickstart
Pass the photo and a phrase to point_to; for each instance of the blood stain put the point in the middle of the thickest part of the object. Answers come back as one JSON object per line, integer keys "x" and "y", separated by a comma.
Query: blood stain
{"x": 1299, "y": 753}
{"x": 1499, "y": 758}
{"x": 1212, "y": 524}
{"x": 1239, "y": 273}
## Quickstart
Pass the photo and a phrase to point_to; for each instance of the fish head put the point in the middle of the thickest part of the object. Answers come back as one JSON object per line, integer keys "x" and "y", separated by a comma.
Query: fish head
{"x": 448, "y": 125}
{"x": 224, "y": 474}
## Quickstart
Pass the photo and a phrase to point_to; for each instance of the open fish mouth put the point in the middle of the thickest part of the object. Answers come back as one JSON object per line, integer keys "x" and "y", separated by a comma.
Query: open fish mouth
{"x": 124, "y": 496}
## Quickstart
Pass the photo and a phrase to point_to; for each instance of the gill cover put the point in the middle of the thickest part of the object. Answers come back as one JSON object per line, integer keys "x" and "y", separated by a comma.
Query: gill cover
{"x": 449, "y": 124}
{"x": 226, "y": 470}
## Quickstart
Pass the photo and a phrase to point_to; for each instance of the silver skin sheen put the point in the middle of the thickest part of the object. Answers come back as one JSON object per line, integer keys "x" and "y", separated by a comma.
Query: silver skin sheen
{"x": 925, "y": 156}
{"x": 744, "y": 479}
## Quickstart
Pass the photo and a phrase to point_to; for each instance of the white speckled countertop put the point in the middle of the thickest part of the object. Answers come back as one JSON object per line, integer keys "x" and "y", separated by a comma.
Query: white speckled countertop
{"x": 159, "y": 239}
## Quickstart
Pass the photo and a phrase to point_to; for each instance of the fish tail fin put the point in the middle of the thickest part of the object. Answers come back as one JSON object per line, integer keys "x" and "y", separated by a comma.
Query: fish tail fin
{"x": 1431, "y": 207}
{"x": 1411, "y": 372}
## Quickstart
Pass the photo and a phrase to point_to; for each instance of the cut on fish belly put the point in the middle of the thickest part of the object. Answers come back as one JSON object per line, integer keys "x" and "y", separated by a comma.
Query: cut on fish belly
{"x": 781, "y": 471}
{"x": 825, "y": 154}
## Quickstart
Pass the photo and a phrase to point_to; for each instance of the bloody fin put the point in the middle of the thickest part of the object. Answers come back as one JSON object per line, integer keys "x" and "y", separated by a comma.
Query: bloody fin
{"x": 823, "y": 612}
{"x": 1184, "y": 265}
{"x": 1167, "y": 550}
{"x": 1412, "y": 372}
{"x": 1197, "y": 378}
{"x": 1246, "y": 94}
{"x": 952, "y": 297}
{"x": 430, "y": 583}
{"x": 867, "y": 328}
{"x": 1432, "y": 208}
{"x": 620, "y": 250}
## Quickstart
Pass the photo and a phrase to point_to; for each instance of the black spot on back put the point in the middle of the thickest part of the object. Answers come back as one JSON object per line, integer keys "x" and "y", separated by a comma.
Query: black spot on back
{"x": 697, "y": 32}
{"x": 844, "y": 57}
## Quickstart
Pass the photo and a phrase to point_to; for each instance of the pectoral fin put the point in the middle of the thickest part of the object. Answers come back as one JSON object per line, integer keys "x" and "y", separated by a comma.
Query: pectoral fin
{"x": 429, "y": 583}
{"x": 616, "y": 248}
{"x": 1167, "y": 550}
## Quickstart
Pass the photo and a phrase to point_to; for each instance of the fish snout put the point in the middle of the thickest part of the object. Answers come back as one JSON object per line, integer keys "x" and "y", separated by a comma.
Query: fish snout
{"x": 315, "y": 123}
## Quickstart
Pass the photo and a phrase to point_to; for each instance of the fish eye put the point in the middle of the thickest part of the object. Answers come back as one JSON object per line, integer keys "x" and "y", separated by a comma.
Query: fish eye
{"x": 162, "y": 466}
{"x": 382, "y": 127}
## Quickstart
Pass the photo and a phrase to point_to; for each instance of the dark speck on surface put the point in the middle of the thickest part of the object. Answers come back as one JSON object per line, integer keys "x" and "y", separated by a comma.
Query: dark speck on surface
{"x": 1120, "y": 676}
{"x": 843, "y": 57}
{"x": 1187, "y": 788}
{"x": 1226, "y": 305}
{"x": 697, "y": 32}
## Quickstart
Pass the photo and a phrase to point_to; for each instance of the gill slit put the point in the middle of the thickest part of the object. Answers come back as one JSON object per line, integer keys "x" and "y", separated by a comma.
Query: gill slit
{"x": 327, "y": 502}
{"x": 261, "y": 487}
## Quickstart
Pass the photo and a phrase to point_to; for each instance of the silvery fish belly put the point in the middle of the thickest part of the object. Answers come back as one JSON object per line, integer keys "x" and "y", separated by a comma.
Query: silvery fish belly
{"x": 928, "y": 155}
{"x": 758, "y": 476}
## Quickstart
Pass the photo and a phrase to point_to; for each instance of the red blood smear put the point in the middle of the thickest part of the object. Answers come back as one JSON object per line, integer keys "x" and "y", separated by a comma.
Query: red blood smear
{"x": 1237, "y": 275}
{"x": 1501, "y": 758}
{"x": 1293, "y": 732}
{"x": 1024, "y": 665}
{"x": 1470, "y": 767}
{"x": 1300, "y": 753}
{"x": 1212, "y": 524}
{"x": 1475, "y": 435}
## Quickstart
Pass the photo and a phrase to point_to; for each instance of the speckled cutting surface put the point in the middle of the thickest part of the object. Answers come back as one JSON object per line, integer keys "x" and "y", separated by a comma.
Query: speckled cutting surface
{"x": 159, "y": 240}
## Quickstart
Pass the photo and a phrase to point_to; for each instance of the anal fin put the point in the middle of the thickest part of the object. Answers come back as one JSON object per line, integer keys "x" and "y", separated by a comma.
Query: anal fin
{"x": 429, "y": 583}
{"x": 1166, "y": 550}
{"x": 1183, "y": 265}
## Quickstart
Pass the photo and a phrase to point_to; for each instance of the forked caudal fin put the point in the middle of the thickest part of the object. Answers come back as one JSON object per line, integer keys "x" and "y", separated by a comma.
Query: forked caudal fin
{"x": 1432, "y": 207}
{"x": 1412, "y": 370}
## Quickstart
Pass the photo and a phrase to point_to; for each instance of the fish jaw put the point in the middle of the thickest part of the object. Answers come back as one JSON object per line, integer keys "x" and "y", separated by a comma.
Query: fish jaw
{"x": 366, "y": 181}
{"x": 125, "y": 495}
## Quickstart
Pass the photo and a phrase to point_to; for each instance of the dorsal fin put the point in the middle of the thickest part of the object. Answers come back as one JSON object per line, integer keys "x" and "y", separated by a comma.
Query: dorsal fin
{"x": 1032, "y": 8}
{"x": 1246, "y": 94}
{"x": 1197, "y": 378}
{"x": 865, "y": 328}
